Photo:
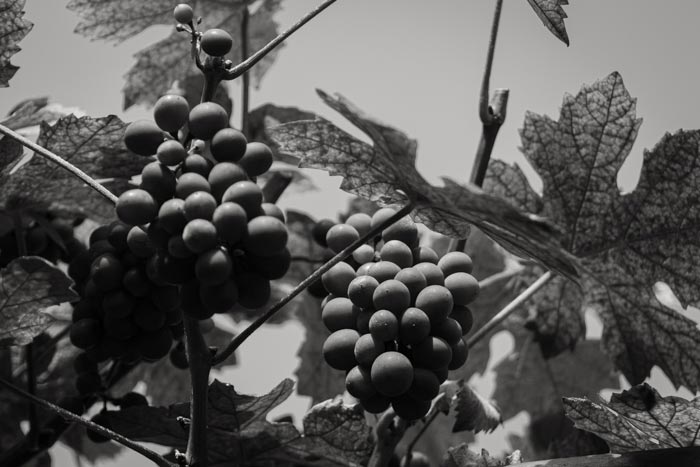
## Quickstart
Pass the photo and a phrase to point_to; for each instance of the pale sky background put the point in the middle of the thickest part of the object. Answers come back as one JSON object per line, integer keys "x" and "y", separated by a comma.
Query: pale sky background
{"x": 417, "y": 65}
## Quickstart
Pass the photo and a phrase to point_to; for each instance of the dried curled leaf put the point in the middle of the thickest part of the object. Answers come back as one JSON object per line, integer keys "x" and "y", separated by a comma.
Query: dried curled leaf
{"x": 385, "y": 172}
{"x": 626, "y": 243}
{"x": 474, "y": 412}
{"x": 552, "y": 15}
{"x": 639, "y": 419}
{"x": 13, "y": 28}
{"x": 28, "y": 285}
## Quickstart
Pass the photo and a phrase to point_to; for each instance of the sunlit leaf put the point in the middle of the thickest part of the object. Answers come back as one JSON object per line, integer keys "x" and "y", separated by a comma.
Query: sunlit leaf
{"x": 13, "y": 28}
{"x": 552, "y": 14}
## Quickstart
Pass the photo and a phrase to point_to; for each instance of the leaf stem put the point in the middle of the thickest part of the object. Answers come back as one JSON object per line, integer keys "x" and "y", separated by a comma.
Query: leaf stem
{"x": 92, "y": 183}
{"x": 199, "y": 358}
{"x": 510, "y": 308}
{"x": 275, "y": 186}
{"x": 66, "y": 414}
{"x": 248, "y": 63}
{"x": 388, "y": 432}
{"x": 423, "y": 429}
{"x": 240, "y": 338}
{"x": 245, "y": 85}
{"x": 485, "y": 113}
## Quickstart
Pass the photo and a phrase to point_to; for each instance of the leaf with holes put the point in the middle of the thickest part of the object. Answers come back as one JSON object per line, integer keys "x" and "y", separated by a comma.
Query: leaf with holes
{"x": 95, "y": 146}
{"x": 13, "y": 28}
{"x": 28, "y": 285}
{"x": 385, "y": 172}
{"x": 626, "y": 243}
{"x": 552, "y": 14}
{"x": 639, "y": 419}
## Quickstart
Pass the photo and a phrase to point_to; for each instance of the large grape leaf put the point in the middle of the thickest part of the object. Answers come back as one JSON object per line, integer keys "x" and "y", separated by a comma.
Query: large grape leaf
{"x": 28, "y": 285}
{"x": 95, "y": 146}
{"x": 169, "y": 60}
{"x": 552, "y": 15}
{"x": 626, "y": 243}
{"x": 13, "y": 28}
{"x": 267, "y": 116}
{"x": 238, "y": 432}
{"x": 639, "y": 419}
{"x": 385, "y": 172}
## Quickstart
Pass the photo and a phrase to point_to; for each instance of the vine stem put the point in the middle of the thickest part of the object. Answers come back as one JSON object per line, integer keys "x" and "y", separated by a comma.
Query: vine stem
{"x": 85, "y": 178}
{"x": 509, "y": 309}
{"x": 423, "y": 429}
{"x": 249, "y": 62}
{"x": 66, "y": 414}
{"x": 245, "y": 84}
{"x": 240, "y": 338}
{"x": 199, "y": 358}
{"x": 388, "y": 432}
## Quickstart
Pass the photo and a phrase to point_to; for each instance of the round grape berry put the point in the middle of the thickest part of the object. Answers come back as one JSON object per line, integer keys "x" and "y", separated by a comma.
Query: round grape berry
{"x": 463, "y": 287}
{"x": 361, "y": 222}
{"x": 339, "y": 349}
{"x": 364, "y": 254}
{"x": 213, "y": 267}
{"x": 392, "y": 374}
{"x": 320, "y": 230}
{"x": 436, "y": 301}
{"x": 266, "y": 235}
{"x": 398, "y": 253}
{"x": 403, "y": 230}
{"x": 247, "y": 194}
{"x": 455, "y": 261}
{"x": 228, "y": 145}
{"x": 101, "y": 419}
{"x": 199, "y": 235}
{"x": 432, "y": 273}
{"x": 231, "y": 222}
{"x": 464, "y": 317}
{"x": 196, "y": 163}
{"x": 158, "y": 180}
{"x": 433, "y": 353}
{"x": 361, "y": 290}
{"x": 414, "y": 280}
{"x": 375, "y": 404}
{"x": 414, "y": 326}
{"x": 136, "y": 207}
{"x": 425, "y": 254}
{"x": 171, "y": 215}
{"x": 257, "y": 159}
{"x": 425, "y": 385}
{"x": 171, "y": 152}
{"x": 367, "y": 349}
{"x": 341, "y": 236}
{"x": 339, "y": 313}
{"x": 216, "y": 42}
{"x": 410, "y": 408}
{"x": 384, "y": 326}
{"x": 449, "y": 330}
{"x": 358, "y": 382}
{"x": 223, "y": 175}
{"x": 189, "y": 183}
{"x": 383, "y": 270}
{"x": 170, "y": 112}
{"x": 85, "y": 333}
{"x": 183, "y": 13}
{"x": 143, "y": 137}
{"x": 199, "y": 205}
{"x": 460, "y": 353}
{"x": 207, "y": 118}
{"x": 392, "y": 295}
{"x": 219, "y": 298}
{"x": 337, "y": 279}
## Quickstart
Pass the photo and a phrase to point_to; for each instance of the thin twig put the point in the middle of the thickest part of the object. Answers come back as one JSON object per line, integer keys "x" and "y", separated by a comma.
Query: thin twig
{"x": 247, "y": 64}
{"x": 66, "y": 414}
{"x": 510, "y": 308}
{"x": 423, "y": 429}
{"x": 92, "y": 183}
{"x": 199, "y": 358}
{"x": 245, "y": 84}
{"x": 240, "y": 338}
{"x": 485, "y": 113}
{"x": 388, "y": 432}
{"x": 498, "y": 277}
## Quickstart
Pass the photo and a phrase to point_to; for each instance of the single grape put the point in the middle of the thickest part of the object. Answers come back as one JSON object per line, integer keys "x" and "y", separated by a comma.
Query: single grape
{"x": 341, "y": 236}
{"x": 136, "y": 207}
{"x": 183, "y": 13}
{"x": 425, "y": 254}
{"x": 118, "y": 232}
{"x": 414, "y": 280}
{"x": 171, "y": 215}
{"x": 463, "y": 287}
{"x": 358, "y": 382}
{"x": 178, "y": 356}
{"x": 136, "y": 282}
{"x": 171, "y": 152}
{"x": 364, "y": 254}
{"x": 363, "y": 318}
{"x": 199, "y": 235}
{"x": 118, "y": 303}
{"x": 196, "y": 163}
{"x": 392, "y": 295}
{"x": 367, "y": 349}
{"x": 223, "y": 175}
{"x": 213, "y": 266}
{"x": 101, "y": 419}
{"x": 364, "y": 269}
{"x": 442, "y": 374}
{"x": 219, "y": 298}
{"x": 392, "y": 374}
{"x": 460, "y": 353}
{"x": 361, "y": 290}
{"x": 316, "y": 289}
{"x": 414, "y": 326}
{"x": 217, "y": 43}
{"x": 132, "y": 399}
{"x": 271, "y": 267}
{"x": 173, "y": 270}
{"x": 143, "y": 137}
{"x": 228, "y": 145}
{"x": 339, "y": 348}
{"x": 85, "y": 333}
{"x": 271, "y": 209}
{"x": 339, "y": 313}
{"x": 158, "y": 235}
{"x": 375, "y": 404}
{"x": 433, "y": 353}
{"x": 381, "y": 215}
{"x": 231, "y": 222}
{"x": 432, "y": 273}
{"x": 107, "y": 272}
{"x": 337, "y": 279}
{"x": 404, "y": 230}
{"x": 158, "y": 180}
{"x": 320, "y": 230}
{"x": 166, "y": 298}
{"x": 436, "y": 301}
{"x": 425, "y": 385}
{"x": 154, "y": 345}
{"x": 455, "y": 261}
{"x": 449, "y": 330}
{"x": 147, "y": 317}
{"x": 189, "y": 183}
{"x": 266, "y": 235}
{"x": 177, "y": 247}
{"x": 139, "y": 243}
{"x": 361, "y": 222}
{"x": 383, "y": 270}
{"x": 82, "y": 363}
{"x": 254, "y": 290}
{"x": 398, "y": 253}
{"x": 384, "y": 326}
{"x": 199, "y": 205}
{"x": 247, "y": 194}
{"x": 464, "y": 317}
{"x": 207, "y": 118}
{"x": 257, "y": 159}
{"x": 170, "y": 111}
{"x": 410, "y": 408}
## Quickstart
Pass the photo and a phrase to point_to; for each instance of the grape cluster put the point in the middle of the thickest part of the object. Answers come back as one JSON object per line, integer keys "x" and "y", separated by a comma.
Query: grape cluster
{"x": 397, "y": 321}
{"x": 123, "y": 314}
{"x": 206, "y": 226}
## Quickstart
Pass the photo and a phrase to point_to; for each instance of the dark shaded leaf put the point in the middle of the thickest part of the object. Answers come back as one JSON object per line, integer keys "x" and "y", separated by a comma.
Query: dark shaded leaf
{"x": 552, "y": 15}
{"x": 13, "y": 28}
{"x": 95, "y": 146}
{"x": 27, "y": 286}
{"x": 462, "y": 456}
{"x": 474, "y": 412}
{"x": 626, "y": 243}
{"x": 385, "y": 172}
{"x": 150, "y": 424}
{"x": 638, "y": 419}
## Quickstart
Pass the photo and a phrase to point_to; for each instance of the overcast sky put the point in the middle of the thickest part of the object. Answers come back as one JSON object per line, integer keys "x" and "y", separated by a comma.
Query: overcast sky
{"x": 416, "y": 65}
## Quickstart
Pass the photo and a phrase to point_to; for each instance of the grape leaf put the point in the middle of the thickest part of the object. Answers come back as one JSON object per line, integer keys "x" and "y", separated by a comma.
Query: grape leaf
{"x": 638, "y": 419}
{"x": 527, "y": 381}
{"x": 13, "y": 28}
{"x": 95, "y": 146}
{"x": 27, "y": 286}
{"x": 267, "y": 116}
{"x": 30, "y": 112}
{"x": 169, "y": 60}
{"x": 462, "y": 456}
{"x": 385, "y": 172}
{"x": 473, "y": 412}
{"x": 552, "y": 15}
{"x": 628, "y": 242}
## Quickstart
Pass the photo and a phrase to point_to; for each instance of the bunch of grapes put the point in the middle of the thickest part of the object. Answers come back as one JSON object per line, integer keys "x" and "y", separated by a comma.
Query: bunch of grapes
{"x": 397, "y": 321}
{"x": 123, "y": 313}
{"x": 204, "y": 214}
